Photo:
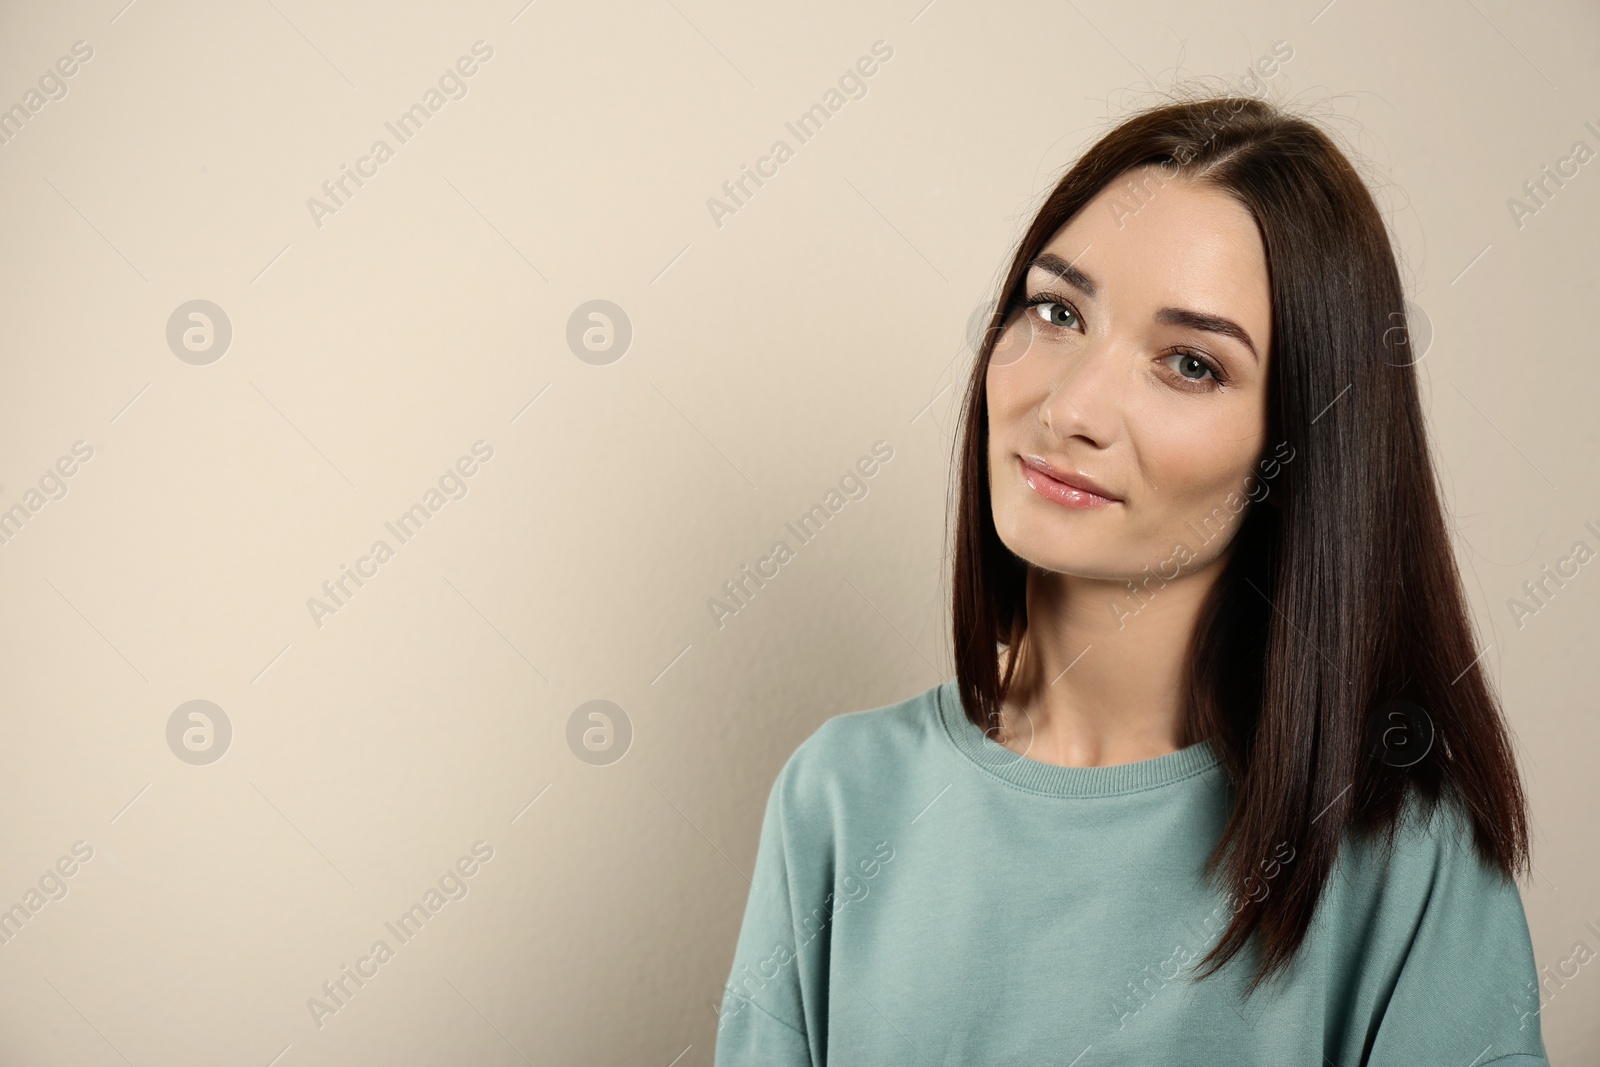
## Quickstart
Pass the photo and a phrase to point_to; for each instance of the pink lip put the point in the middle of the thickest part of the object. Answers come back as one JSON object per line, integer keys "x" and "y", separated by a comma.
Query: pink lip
{"x": 1068, "y": 489}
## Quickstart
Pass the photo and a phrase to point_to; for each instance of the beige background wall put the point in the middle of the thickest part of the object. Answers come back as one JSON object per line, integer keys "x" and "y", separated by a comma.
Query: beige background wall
{"x": 373, "y": 747}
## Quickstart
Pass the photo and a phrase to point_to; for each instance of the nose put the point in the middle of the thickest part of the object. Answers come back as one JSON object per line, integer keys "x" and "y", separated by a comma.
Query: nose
{"x": 1087, "y": 396}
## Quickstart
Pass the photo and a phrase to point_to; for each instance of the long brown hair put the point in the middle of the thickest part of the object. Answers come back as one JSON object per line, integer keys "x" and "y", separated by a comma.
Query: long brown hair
{"x": 1335, "y": 645}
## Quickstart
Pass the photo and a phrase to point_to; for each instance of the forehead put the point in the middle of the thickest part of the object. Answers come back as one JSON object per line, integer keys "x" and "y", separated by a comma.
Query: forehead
{"x": 1150, "y": 242}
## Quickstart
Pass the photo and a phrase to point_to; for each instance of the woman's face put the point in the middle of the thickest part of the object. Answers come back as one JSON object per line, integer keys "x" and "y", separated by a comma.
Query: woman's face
{"x": 1139, "y": 366}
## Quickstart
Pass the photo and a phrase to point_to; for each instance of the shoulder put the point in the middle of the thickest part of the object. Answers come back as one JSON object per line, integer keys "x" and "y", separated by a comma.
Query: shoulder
{"x": 1436, "y": 835}
{"x": 1434, "y": 947}
{"x": 859, "y": 754}
{"x": 1432, "y": 856}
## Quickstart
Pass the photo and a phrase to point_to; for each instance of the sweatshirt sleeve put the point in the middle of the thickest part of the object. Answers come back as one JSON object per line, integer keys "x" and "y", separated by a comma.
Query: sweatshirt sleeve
{"x": 762, "y": 1021}
{"x": 1463, "y": 988}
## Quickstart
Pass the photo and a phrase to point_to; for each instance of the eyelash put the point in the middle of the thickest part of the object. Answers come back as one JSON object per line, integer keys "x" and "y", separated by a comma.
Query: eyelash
{"x": 1191, "y": 384}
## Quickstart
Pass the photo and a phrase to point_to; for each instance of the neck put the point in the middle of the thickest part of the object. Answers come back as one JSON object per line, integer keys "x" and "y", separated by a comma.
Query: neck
{"x": 1101, "y": 673}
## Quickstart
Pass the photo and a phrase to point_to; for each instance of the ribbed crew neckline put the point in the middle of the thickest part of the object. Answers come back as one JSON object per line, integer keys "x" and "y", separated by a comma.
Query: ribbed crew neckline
{"x": 1053, "y": 779}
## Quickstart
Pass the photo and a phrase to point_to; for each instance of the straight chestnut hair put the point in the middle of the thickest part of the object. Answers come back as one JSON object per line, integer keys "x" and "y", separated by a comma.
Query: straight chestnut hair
{"x": 1335, "y": 645}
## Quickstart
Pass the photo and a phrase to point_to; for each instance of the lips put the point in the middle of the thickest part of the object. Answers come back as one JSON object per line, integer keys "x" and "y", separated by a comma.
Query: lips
{"x": 1071, "y": 488}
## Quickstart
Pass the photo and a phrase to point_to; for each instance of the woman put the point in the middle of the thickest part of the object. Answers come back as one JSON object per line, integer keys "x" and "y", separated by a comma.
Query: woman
{"x": 1220, "y": 778}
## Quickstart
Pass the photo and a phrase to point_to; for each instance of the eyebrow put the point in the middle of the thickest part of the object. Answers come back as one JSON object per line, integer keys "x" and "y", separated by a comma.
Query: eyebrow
{"x": 1170, "y": 316}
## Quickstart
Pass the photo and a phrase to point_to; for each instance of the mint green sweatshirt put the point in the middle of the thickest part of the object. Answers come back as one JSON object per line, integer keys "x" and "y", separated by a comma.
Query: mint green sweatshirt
{"x": 924, "y": 895}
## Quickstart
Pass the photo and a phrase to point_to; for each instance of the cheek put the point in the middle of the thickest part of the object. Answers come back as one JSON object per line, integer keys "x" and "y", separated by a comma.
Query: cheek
{"x": 1195, "y": 463}
{"x": 1015, "y": 387}
{"x": 1004, "y": 392}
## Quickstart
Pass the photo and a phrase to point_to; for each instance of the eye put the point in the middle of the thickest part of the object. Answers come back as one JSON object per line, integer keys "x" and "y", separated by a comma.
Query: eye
{"x": 1054, "y": 312}
{"x": 1192, "y": 367}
